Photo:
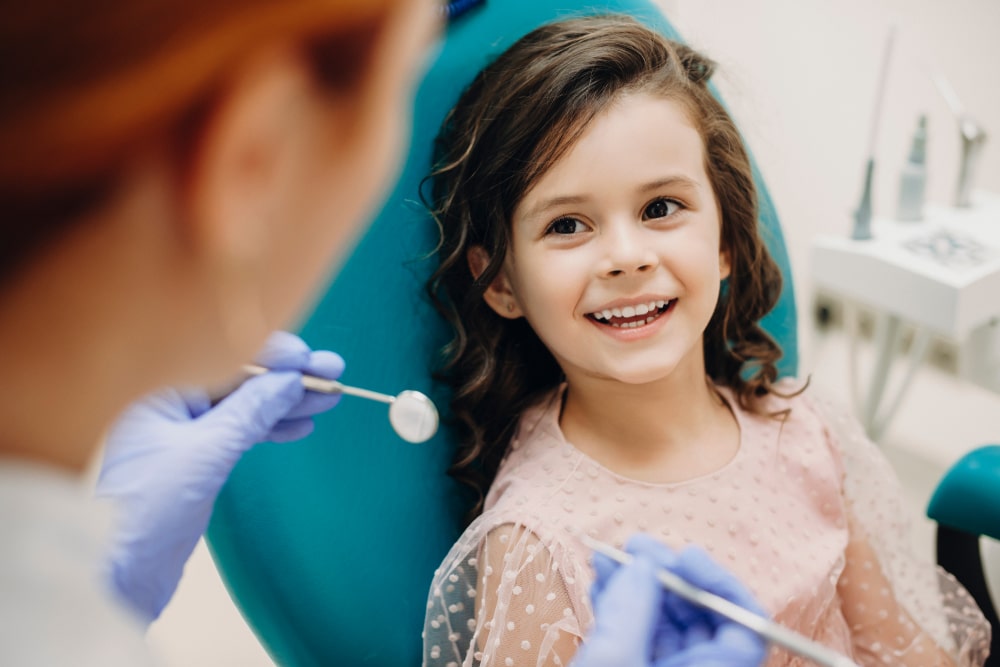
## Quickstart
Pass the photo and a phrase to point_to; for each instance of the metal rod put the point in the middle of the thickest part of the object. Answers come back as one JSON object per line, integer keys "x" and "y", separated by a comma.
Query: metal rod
{"x": 883, "y": 78}
{"x": 863, "y": 215}
{"x": 325, "y": 386}
{"x": 764, "y": 627}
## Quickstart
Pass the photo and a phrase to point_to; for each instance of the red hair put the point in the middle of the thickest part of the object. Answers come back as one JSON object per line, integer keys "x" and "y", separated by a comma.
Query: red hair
{"x": 82, "y": 85}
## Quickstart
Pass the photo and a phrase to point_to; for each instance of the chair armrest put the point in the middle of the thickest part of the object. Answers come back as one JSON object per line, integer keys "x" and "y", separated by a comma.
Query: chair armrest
{"x": 968, "y": 497}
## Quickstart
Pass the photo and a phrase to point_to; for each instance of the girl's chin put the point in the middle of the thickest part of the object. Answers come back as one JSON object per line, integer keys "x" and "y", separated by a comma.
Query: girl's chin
{"x": 638, "y": 377}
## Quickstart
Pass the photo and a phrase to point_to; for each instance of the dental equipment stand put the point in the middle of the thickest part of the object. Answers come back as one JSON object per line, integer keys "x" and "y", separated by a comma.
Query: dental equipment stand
{"x": 941, "y": 275}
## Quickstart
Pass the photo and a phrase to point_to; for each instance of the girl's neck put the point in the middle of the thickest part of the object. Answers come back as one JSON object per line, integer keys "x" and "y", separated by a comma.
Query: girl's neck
{"x": 668, "y": 430}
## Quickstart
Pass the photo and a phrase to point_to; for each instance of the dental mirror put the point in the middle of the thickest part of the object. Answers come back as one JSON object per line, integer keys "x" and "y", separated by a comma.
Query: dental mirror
{"x": 412, "y": 415}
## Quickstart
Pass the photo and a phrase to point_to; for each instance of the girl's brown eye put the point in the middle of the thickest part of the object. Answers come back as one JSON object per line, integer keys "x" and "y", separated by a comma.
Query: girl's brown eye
{"x": 566, "y": 226}
{"x": 660, "y": 208}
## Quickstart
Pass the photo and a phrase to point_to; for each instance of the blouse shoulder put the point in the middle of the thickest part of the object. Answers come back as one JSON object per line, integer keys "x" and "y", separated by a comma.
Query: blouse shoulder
{"x": 513, "y": 590}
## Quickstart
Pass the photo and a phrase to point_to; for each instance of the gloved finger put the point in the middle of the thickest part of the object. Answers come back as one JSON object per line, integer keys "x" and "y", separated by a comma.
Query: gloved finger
{"x": 625, "y": 615}
{"x": 684, "y": 617}
{"x": 313, "y": 403}
{"x": 284, "y": 351}
{"x": 668, "y": 638}
{"x": 678, "y": 616}
{"x": 656, "y": 551}
{"x": 256, "y": 406}
{"x": 735, "y": 648}
{"x": 704, "y": 656}
{"x": 686, "y": 623}
{"x": 290, "y": 430}
{"x": 690, "y": 621}
{"x": 325, "y": 364}
{"x": 741, "y": 643}
{"x": 604, "y": 567}
{"x": 697, "y": 567}
{"x": 697, "y": 628}
{"x": 197, "y": 400}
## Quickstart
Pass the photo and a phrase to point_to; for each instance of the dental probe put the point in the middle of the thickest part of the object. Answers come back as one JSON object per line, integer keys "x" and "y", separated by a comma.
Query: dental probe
{"x": 412, "y": 415}
{"x": 325, "y": 386}
{"x": 766, "y": 628}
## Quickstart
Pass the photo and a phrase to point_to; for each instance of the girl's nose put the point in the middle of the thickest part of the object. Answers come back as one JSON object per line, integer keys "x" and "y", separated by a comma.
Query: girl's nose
{"x": 627, "y": 252}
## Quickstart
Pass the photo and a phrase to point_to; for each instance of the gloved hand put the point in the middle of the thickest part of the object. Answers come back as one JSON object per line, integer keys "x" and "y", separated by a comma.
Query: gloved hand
{"x": 168, "y": 456}
{"x": 641, "y": 624}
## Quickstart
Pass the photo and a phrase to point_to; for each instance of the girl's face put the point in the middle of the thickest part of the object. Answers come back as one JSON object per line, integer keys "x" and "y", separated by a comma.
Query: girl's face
{"x": 615, "y": 258}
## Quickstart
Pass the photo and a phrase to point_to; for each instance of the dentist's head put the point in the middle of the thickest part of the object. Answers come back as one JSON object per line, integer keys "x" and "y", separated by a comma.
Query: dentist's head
{"x": 177, "y": 179}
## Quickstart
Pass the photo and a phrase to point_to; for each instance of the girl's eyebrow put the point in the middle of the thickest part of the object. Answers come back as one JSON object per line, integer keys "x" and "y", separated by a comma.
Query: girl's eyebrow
{"x": 552, "y": 202}
{"x": 546, "y": 204}
{"x": 678, "y": 180}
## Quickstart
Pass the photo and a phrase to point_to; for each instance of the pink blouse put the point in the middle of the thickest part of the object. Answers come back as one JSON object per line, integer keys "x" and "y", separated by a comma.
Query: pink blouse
{"x": 807, "y": 514}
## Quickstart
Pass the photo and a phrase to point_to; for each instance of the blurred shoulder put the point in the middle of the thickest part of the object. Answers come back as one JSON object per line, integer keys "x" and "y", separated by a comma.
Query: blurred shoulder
{"x": 798, "y": 399}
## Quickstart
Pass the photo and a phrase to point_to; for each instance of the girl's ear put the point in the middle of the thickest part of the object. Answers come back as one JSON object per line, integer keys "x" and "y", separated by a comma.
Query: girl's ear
{"x": 725, "y": 266}
{"x": 499, "y": 295}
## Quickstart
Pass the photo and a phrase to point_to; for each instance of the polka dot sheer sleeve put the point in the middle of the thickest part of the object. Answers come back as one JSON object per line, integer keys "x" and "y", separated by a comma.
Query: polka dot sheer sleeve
{"x": 901, "y": 608}
{"x": 506, "y": 596}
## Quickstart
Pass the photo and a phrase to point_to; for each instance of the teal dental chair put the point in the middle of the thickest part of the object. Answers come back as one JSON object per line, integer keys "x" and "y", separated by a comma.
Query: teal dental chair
{"x": 328, "y": 546}
{"x": 966, "y": 505}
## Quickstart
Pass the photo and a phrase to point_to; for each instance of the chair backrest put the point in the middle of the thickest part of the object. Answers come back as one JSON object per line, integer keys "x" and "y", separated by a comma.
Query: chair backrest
{"x": 966, "y": 506}
{"x": 328, "y": 546}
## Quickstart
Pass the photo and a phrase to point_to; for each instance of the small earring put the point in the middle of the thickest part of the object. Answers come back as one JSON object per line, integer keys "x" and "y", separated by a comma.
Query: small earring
{"x": 510, "y": 307}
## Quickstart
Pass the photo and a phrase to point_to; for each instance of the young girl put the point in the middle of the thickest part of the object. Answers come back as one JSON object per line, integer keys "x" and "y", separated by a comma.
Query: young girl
{"x": 603, "y": 269}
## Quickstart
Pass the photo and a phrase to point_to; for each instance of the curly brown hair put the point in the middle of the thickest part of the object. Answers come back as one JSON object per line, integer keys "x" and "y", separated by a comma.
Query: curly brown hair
{"x": 513, "y": 122}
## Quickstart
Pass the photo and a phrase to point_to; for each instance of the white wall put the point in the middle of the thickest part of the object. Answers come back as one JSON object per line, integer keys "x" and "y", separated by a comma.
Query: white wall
{"x": 800, "y": 77}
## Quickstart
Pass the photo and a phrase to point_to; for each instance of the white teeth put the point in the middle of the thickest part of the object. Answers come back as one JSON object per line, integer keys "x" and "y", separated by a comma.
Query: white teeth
{"x": 631, "y": 311}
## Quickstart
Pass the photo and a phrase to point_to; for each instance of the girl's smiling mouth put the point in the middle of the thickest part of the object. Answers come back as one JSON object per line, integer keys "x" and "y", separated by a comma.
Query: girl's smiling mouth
{"x": 632, "y": 316}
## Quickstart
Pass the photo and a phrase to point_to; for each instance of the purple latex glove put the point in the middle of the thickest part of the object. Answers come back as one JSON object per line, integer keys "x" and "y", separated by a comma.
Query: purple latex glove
{"x": 168, "y": 456}
{"x": 640, "y": 624}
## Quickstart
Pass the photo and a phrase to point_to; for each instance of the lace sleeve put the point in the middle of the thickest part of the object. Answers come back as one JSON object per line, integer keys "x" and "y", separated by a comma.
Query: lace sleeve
{"x": 902, "y": 609}
{"x": 505, "y": 596}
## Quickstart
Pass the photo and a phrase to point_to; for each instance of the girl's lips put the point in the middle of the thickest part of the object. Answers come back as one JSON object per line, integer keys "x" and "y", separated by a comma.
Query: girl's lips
{"x": 635, "y": 326}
